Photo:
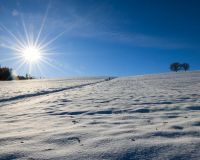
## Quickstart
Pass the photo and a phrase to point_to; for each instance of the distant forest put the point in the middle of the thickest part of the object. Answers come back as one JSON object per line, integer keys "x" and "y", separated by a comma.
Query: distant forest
{"x": 6, "y": 74}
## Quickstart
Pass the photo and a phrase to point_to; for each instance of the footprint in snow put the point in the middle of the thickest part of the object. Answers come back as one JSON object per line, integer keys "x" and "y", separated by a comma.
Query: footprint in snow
{"x": 49, "y": 149}
{"x": 165, "y": 123}
{"x": 75, "y": 138}
{"x": 75, "y": 122}
{"x": 177, "y": 127}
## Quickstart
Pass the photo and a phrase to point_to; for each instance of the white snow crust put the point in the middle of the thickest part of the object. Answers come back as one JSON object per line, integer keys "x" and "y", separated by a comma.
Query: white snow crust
{"x": 142, "y": 117}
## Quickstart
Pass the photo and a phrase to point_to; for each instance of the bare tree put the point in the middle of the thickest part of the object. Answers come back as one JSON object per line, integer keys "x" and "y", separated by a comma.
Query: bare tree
{"x": 185, "y": 66}
{"x": 175, "y": 67}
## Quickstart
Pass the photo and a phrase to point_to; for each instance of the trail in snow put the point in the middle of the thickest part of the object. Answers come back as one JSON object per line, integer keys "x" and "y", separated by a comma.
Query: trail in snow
{"x": 17, "y": 91}
{"x": 45, "y": 92}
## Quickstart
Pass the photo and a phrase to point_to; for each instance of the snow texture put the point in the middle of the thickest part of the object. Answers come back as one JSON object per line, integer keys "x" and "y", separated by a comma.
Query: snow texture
{"x": 142, "y": 117}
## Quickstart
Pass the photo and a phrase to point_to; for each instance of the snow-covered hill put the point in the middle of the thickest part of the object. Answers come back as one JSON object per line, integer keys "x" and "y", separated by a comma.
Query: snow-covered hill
{"x": 142, "y": 117}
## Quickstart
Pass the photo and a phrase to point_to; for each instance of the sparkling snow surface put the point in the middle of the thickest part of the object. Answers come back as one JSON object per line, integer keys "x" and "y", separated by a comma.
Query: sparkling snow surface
{"x": 142, "y": 117}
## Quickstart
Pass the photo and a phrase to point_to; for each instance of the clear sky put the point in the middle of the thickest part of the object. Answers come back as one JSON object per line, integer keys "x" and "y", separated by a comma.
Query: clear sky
{"x": 97, "y": 37}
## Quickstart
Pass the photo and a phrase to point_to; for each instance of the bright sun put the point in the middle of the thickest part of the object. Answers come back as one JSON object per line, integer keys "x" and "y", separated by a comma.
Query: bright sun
{"x": 31, "y": 54}
{"x": 31, "y": 48}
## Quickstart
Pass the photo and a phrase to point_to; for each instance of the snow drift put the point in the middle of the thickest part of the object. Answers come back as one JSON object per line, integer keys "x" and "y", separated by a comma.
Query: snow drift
{"x": 141, "y": 117}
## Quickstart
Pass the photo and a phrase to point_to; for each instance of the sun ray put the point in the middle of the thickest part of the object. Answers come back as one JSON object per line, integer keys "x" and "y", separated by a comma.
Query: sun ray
{"x": 21, "y": 63}
{"x": 52, "y": 40}
{"x": 12, "y": 48}
{"x": 29, "y": 68}
{"x": 9, "y": 59}
{"x": 46, "y": 61}
{"x": 58, "y": 35}
{"x": 24, "y": 26}
{"x": 39, "y": 68}
{"x": 10, "y": 33}
{"x": 43, "y": 24}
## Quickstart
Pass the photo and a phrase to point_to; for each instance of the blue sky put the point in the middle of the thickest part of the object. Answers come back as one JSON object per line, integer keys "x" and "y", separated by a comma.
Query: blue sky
{"x": 97, "y": 37}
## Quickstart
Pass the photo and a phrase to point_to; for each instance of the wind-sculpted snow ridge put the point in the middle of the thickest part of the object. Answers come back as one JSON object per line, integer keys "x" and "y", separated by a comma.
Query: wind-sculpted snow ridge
{"x": 143, "y": 117}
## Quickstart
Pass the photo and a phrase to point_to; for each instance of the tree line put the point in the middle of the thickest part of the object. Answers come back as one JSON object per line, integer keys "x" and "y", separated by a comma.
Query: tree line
{"x": 178, "y": 66}
{"x": 6, "y": 74}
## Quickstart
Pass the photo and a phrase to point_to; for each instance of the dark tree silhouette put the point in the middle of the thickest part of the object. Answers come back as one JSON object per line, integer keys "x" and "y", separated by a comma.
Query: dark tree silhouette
{"x": 185, "y": 66}
{"x": 5, "y": 73}
{"x": 175, "y": 67}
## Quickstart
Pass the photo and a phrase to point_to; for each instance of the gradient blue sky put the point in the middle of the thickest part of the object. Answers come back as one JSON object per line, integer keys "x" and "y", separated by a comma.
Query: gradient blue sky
{"x": 104, "y": 37}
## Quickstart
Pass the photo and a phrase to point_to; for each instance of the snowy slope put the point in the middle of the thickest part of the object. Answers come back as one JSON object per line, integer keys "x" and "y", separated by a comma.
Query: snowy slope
{"x": 14, "y": 90}
{"x": 142, "y": 117}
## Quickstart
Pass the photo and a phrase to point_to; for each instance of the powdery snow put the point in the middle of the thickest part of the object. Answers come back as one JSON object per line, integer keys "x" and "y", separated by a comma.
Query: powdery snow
{"x": 142, "y": 117}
